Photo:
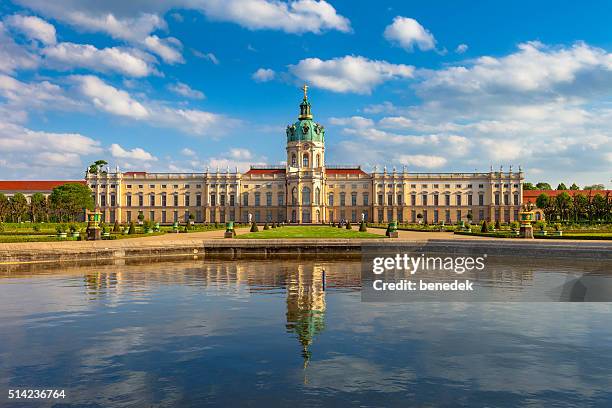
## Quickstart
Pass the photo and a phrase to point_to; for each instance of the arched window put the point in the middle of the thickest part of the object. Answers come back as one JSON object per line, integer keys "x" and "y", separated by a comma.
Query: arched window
{"x": 305, "y": 196}
{"x": 318, "y": 160}
{"x": 293, "y": 160}
{"x": 294, "y": 196}
{"x": 317, "y": 196}
{"x": 305, "y": 160}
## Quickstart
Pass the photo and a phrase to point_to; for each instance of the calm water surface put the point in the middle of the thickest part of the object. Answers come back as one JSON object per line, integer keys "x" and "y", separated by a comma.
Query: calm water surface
{"x": 267, "y": 333}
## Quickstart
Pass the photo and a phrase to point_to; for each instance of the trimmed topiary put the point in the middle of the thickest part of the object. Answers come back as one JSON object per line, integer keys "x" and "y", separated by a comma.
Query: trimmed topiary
{"x": 362, "y": 227}
{"x": 485, "y": 226}
{"x": 116, "y": 227}
{"x": 266, "y": 227}
{"x": 132, "y": 229}
{"x": 348, "y": 225}
{"x": 254, "y": 227}
{"x": 339, "y": 225}
{"x": 497, "y": 225}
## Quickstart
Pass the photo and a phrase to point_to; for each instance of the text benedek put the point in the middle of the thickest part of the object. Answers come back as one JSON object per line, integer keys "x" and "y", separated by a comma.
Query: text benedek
{"x": 405, "y": 284}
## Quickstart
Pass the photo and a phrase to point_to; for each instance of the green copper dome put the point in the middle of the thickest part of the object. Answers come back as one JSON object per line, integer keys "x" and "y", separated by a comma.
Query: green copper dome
{"x": 305, "y": 129}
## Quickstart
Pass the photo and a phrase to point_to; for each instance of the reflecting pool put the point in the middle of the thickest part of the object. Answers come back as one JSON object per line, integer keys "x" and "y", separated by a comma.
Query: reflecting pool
{"x": 282, "y": 333}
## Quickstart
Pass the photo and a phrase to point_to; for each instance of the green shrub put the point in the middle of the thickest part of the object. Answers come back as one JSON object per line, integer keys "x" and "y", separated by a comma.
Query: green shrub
{"x": 132, "y": 229}
{"x": 266, "y": 227}
{"x": 497, "y": 225}
{"x": 362, "y": 227}
{"x": 514, "y": 225}
{"x": 36, "y": 228}
{"x": 116, "y": 227}
{"x": 348, "y": 225}
{"x": 339, "y": 225}
{"x": 254, "y": 227}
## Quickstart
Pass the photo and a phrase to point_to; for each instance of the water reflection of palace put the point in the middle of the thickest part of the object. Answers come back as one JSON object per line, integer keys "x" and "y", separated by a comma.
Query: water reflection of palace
{"x": 306, "y": 305}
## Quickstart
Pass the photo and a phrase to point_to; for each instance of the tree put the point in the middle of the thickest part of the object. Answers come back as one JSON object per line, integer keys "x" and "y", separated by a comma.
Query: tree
{"x": 563, "y": 203}
{"x": 71, "y": 200}
{"x": 18, "y": 206}
{"x": 5, "y": 208}
{"x": 574, "y": 187}
{"x": 561, "y": 186}
{"x": 37, "y": 207}
{"x": 543, "y": 186}
{"x": 580, "y": 207}
{"x": 594, "y": 187}
{"x": 599, "y": 207}
{"x": 529, "y": 186}
{"x": 544, "y": 203}
{"x": 97, "y": 166}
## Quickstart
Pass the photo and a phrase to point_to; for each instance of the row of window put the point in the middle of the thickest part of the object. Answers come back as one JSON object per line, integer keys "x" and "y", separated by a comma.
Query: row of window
{"x": 425, "y": 216}
{"x": 306, "y": 199}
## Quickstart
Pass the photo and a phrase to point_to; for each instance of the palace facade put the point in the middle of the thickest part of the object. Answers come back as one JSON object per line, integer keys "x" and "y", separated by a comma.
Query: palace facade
{"x": 307, "y": 190}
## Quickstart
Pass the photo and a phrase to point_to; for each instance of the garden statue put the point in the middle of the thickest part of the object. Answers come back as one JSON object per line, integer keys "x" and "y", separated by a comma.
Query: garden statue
{"x": 94, "y": 233}
{"x": 229, "y": 230}
{"x": 527, "y": 216}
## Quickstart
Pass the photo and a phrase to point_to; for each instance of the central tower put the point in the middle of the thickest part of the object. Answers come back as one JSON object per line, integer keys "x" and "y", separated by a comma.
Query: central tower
{"x": 305, "y": 166}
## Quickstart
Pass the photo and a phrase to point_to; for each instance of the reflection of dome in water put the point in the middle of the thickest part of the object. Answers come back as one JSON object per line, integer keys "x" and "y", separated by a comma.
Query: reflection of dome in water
{"x": 305, "y": 307}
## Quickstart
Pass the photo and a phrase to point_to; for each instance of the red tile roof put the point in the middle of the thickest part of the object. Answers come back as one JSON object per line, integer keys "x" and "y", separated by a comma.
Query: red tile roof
{"x": 265, "y": 171}
{"x": 34, "y": 185}
{"x": 530, "y": 196}
{"x": 346, "y": 171}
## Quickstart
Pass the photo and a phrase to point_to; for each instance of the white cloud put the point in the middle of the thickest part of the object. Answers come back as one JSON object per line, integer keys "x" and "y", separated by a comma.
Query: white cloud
{"x": 136, "y": 20}
{"x": 167, "y": 48}
{"x": 349, "y": 74}
{"x": 396, "y": 122}
{"x": 298, "y": 16}
{"x": 264, "y": 75}
{"x": 33, "y": 27}
{"x": 421, "y": 160}
{"x": 193, "y": 121}
{"x": 534, "y": 69}
{"x": 185, "y": 90}
{"x": 40, "y": 95}
{"x": 461, "y": 48}
{"x": 37, "y": 154}
{"x": 408, "y": 33}
{"x": 109, "y": 98}
{"x": 136, "y": 153}
{"x": 69, "y": 55}
{"x": 240, "y": 153}
{"x": 188, "y": 152}
{"x": 119, "y": 102}
{"x": 12, "y": 56}
{"x": 206, "y": 55}
{"x": 129, "y": 28}
{"x": 353, "y": 122}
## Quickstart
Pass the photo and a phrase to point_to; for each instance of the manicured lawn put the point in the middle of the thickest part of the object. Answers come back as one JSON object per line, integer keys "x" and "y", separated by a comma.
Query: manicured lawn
{"x": 308, "y": 232}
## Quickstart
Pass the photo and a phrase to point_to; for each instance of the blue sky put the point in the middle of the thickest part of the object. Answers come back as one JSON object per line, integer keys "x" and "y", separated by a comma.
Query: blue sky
{"x": 180, "y": 85}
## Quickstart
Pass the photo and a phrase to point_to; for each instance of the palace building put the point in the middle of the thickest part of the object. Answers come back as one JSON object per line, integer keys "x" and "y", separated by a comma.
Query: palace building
{"x": 307, "y": 190}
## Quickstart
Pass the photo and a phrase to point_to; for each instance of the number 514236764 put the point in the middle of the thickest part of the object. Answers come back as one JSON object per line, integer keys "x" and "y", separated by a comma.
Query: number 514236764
{"x": 36, "y": 394}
